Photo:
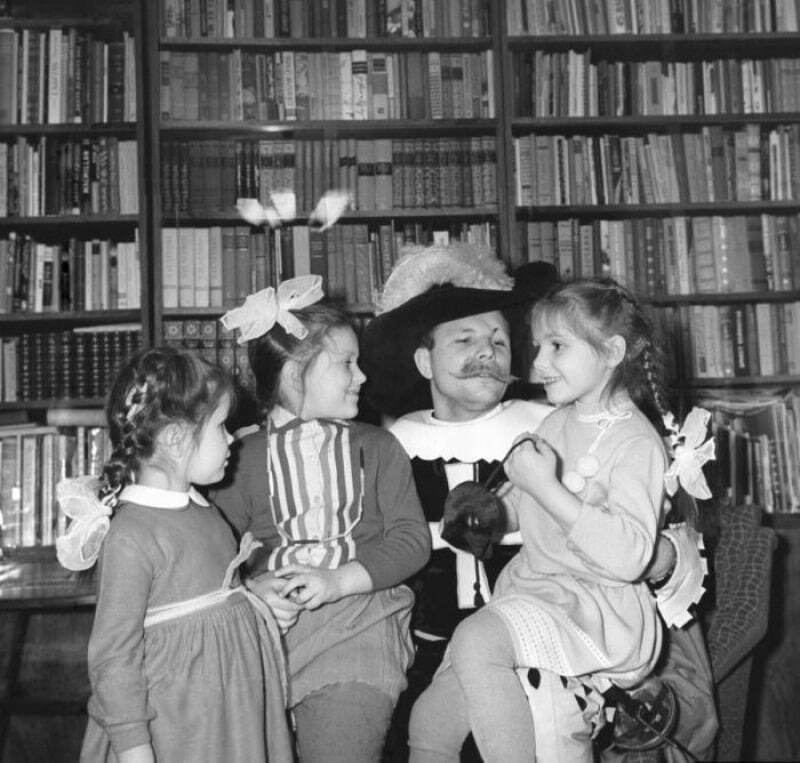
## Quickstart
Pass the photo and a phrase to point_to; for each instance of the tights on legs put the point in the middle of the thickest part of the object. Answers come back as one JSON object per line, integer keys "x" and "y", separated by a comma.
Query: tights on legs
{"x": 480, "y": 690}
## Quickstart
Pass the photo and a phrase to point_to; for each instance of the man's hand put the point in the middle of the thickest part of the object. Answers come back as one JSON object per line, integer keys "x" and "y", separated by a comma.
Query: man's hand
{"x": 663, "y": 562}
{"x": 271, "y": 590}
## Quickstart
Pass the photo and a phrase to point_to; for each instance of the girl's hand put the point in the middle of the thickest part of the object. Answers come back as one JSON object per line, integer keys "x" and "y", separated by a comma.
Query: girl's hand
{"x": 310, "y": 587}
{"x": 532, "y": 464}
{"x": 142, "y": 753}
{"x": 269, "y": 589}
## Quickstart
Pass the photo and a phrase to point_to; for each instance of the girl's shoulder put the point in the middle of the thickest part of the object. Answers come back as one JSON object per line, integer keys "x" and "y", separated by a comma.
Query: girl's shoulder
{"x": 365, "y": 433}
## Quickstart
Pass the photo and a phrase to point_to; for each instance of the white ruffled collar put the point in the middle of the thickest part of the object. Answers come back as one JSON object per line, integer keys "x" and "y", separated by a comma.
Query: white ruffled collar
{"x": 159, "y": 498}
{"x": 486, "y": 437}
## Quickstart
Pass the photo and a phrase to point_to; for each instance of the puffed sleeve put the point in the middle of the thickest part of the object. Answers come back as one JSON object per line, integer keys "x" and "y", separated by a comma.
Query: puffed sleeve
{"x": 116, "y": 646}
{"x": 404, "y": 544}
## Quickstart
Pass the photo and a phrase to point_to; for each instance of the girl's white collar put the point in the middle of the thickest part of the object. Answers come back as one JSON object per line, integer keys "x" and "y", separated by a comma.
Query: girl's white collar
{"x": 160, "y": 498}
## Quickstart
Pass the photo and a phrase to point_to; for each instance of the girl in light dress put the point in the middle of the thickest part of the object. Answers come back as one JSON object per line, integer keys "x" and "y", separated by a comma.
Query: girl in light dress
{"x": 184, "y": 663}
{"x": 589, "y": 497}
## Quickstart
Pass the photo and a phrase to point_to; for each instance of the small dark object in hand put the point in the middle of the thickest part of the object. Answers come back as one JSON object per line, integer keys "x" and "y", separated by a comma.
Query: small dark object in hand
{"x": 474, "y": 519}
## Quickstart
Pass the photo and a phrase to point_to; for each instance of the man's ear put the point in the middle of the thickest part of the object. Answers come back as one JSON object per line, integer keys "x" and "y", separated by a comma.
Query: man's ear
{"x": 422, "y": 359}
{"x": 615, "y": 347}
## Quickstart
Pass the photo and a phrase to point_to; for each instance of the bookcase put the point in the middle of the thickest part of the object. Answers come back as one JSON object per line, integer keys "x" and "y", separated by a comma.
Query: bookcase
{"x": 658, "y": 143}
{"x": 73, "y": 239}
{"x": 398, "y": 104}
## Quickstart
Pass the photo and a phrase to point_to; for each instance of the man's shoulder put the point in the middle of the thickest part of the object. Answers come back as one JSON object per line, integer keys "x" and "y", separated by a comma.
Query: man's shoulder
{"x": 530, "y": 412}
{"x": 486, "y": 437}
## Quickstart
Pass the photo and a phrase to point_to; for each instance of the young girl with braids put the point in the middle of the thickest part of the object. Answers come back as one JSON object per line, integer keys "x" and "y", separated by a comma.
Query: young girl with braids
{"x": 589, "y": 494}
{"x": 333, "y": 501}
{"x": 185, "y": 665}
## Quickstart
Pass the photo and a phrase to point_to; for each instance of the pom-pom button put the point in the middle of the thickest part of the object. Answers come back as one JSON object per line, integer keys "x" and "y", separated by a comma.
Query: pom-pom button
{"x": 574, "y": 482}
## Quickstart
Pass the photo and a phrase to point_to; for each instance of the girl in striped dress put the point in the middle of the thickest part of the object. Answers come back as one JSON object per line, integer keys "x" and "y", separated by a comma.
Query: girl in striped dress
{"x": 334, "y": 504}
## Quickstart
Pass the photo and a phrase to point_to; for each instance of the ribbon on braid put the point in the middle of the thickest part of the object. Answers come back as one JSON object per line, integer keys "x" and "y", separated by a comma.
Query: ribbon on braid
{"x": 80, "y": 545}
{"x": 690, "y": 450}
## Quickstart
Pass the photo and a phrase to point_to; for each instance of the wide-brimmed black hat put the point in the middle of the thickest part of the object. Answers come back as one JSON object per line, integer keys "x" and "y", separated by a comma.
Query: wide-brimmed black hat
{"x": 394, "y": 385}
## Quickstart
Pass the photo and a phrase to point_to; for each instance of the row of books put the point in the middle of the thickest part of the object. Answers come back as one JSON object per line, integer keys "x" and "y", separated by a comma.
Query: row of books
{"x": 64, "y": 365}
{"x": 33, "y": 459}
{"x": 303, "y": 85}
{"x": 574, "y": 84}
{"x": 72, "y": 275}
{"x": 380, "y": 174}
{"x": 715, "y": 164}
{"x": 220, "y": 266}
{"x": 209, "y": 339}
{"x": 674, "y": 255}
{"x": 324, "y": 18}
{"x": 758, "y": 447}
{"x": 70, "y": 75}
{"x": 747, "y": 339}
{"x": 66, "y": 176}
{"x": 566, "y": 17}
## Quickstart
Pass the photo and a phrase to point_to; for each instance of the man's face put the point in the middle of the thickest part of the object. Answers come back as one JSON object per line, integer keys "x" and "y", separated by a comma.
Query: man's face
{"x": 468, "y": 365}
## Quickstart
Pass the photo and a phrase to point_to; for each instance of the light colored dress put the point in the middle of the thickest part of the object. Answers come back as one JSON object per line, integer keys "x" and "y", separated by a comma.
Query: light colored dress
{"x": 200, "y": 683}
{"x": 570, "y": 599}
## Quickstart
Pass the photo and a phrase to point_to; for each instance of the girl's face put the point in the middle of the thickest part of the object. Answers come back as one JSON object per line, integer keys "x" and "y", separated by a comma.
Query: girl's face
{"x": 333, "y": 379}
{"x": 208, "y": 458}
{"x": 570, "y": 368}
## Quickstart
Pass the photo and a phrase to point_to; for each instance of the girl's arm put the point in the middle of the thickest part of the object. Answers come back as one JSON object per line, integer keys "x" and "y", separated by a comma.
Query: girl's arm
{"x": 116, "y": 646}
{"x": 141, "y": 754}
{"x": 393, "y": 541}
{"x": 613, "y": 532}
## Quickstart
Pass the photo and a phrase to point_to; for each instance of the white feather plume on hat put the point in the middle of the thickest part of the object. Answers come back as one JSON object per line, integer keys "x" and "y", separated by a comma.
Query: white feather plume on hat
{"x": 422, "y": 267}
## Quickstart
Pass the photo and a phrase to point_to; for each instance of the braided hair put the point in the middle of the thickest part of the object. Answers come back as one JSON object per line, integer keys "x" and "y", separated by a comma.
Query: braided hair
{"x": 596, "y": 309}
{"x": 152, "y": 389}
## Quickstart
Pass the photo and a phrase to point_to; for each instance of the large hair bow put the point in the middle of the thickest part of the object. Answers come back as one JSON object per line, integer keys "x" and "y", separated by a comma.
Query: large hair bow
{"x": 262, "y": 310}
{"x": 79, "y": 547}
{"x": 690, "y": 450}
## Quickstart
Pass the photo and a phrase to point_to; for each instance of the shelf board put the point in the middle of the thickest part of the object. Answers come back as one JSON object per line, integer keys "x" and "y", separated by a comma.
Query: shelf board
{"x": 724, "y": 299}
{"x": 83, "y": 318}
{"x": 172, "y": 220}
{"x": 329, "y": 44}
{"x": 216, "y": 312}
{"x": 326, "y": 128}
{"x": 636, "y": 123}
{"x": 742, "y": 381}
{"x": 622, "y": 211}
{"x": 657, "y": 46}
{"x": 62, "y": 402}
{"x": 69, "y": 221}
{"x": 77, "y": 130}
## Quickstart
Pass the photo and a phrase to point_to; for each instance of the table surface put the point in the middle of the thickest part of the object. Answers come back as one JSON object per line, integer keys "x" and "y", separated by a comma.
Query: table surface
{"x": 42, "y": 583}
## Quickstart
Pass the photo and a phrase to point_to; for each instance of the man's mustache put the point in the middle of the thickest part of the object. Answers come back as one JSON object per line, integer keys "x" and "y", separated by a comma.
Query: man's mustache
{"x": 476, "y": 368}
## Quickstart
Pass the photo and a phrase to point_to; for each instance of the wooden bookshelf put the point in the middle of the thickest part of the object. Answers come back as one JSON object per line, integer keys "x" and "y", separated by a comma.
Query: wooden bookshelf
{"x": 73, "y": 249}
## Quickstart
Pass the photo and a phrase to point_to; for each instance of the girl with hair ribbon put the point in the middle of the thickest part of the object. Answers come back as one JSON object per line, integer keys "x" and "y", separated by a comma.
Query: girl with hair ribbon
{"x": 334, "y": 504}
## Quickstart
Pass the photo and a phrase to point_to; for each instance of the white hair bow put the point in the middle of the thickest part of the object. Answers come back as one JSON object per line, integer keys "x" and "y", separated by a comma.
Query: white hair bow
{"x": 690, "y": 450}
{"x": 79, "y": 547}
{"x": 262, "y": 310}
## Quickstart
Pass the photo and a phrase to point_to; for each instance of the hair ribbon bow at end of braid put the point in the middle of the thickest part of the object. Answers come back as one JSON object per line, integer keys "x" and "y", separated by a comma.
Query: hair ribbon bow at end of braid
{"x": 262, "y": 310}
{"x": 80, "y": 546}
{"x": 690, "y": 450}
